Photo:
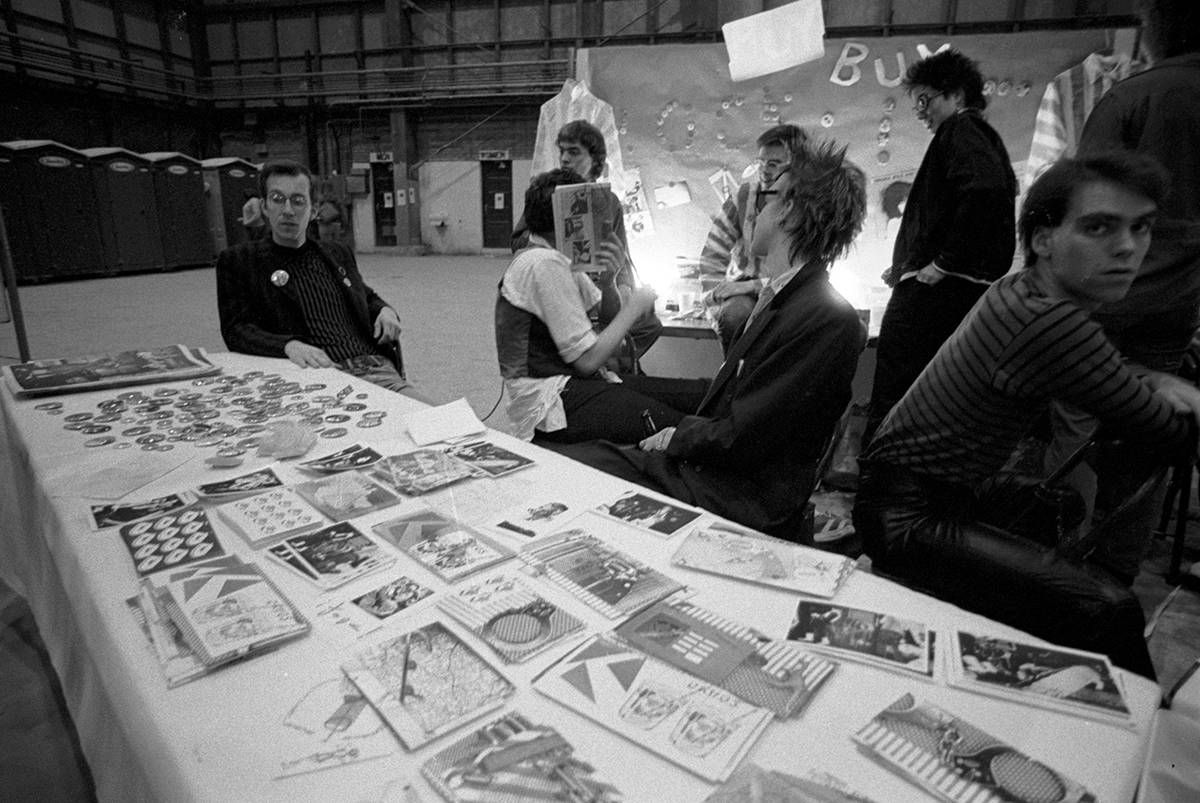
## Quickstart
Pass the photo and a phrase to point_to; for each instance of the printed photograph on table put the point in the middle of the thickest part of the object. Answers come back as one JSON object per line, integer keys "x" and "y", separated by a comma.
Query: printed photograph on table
{"x": 957, "y": 762}
{"x": 113, "y": 515}
{"x": 446, "y": 547}
{"x": 1046, "y": 676}
{"x": 736, "y": 552}
{"x": 691, "y": 723}
{"x": 347, "y": 495}
{"x": 777, "y": 675}
{"x": 243, "y": 485}
{"x": 225, "y": 614}
{"x": 99, "y": 371}
{"x": 603, "y": 578}
{"x": 514, "y": 621}
{"x": 420, "y": 471}
{"x": 534, "y": 519}
{"x": 513, "y": 760}
{"x": 489, "y": 460}
{"x": 331, "y": 556}
{"x": 881, "y": 639}
{"x": 266, "y": 516}
{"x": 426, "y": 683}
{"x": 352, "y": 457}
{"x": 392, "y": 597}
{"x": 648, "y": 513}
{"x": 171, "y": 540}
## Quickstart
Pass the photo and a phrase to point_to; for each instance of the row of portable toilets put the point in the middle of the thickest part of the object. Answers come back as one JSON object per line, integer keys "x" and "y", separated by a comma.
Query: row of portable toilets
{"x": 101, "y": 211}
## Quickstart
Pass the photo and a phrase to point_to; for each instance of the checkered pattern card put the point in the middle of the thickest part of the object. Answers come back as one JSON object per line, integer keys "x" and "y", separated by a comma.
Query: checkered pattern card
{"x": 171, "y": 540}
{"x": 268, "y": 516}
{"x": 331, "y": 556}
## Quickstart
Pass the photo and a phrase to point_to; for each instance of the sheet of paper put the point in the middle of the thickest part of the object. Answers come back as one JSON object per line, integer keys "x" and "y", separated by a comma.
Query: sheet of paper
{"x": 775, "y": 40}
{"x": 444, "y": 422}
{"x": 99, "y": 476}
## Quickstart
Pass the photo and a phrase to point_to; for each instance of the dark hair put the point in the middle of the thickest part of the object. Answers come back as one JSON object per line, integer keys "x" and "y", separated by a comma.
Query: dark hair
{"x": 892, "y": 196}
{"x": 539, "y": 199}
{"x": 590, "y": 138}
{"x": 283, "y": 167}
{"x": 1170, "y": 27}
{"x": 825, "y": 203}
{"x": 1048, "y": 200}
{"x": 949, "y": 71}
{"x": 789, "y": 136}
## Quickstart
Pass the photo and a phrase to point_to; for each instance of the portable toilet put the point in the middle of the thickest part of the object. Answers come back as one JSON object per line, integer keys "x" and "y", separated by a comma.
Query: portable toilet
{"x": 229, "y": 182}
{"x": 49, "y": 211}
{"x": 124, "y": 187}
{"x": 182, "y": 220}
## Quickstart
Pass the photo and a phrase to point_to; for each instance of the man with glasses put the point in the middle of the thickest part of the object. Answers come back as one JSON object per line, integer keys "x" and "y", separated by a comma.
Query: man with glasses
{"x": 288, "y": 296}
{"x": 726, "y": 252}
{"x": 958, "y": 232}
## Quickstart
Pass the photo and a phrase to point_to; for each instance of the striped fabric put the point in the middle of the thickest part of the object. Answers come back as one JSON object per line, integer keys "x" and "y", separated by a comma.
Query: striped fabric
{"x": 330, "y": 322}
{"x": 1016, "y": 351}
{"x": 726, "y": 252}
{"x": 1066, "y": 104}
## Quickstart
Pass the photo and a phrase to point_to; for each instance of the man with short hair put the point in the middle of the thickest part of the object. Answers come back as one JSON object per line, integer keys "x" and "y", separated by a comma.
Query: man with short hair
{"x": 726, "y": 253}
{"x": 927, "y": 505}
{"x": 287, "y": 296}
{"x": 957, "y": 233}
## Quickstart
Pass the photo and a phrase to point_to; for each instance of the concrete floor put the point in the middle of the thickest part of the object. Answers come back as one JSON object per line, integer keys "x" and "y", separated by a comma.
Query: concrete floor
{"x": 445, "y": 305}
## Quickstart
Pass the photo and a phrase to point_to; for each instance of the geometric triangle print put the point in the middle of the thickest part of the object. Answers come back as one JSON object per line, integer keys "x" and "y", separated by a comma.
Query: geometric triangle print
{"x": 577, "y": 676}
{"x": 598, "y": 649}
{"x": 235, "y": 584}
{"x": 626, "y": 671}
{"x": 192, "y": 585}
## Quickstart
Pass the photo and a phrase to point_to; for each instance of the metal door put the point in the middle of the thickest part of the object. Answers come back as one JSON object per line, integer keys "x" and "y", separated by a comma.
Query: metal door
{"x": 497, "y": 203}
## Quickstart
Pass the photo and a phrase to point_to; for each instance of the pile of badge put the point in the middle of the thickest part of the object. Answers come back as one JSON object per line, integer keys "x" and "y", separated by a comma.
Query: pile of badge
{"x": 227, "y": 412}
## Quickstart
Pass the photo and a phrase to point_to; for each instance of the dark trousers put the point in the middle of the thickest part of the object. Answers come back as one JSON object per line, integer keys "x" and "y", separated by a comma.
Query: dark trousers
{"x": 599, "y": 410}
{"x": 918, "y": 320}
{"x": 932, "y": 535}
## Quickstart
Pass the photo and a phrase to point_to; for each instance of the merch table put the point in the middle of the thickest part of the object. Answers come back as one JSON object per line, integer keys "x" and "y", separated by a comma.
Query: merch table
{"x": 226, "y": 736}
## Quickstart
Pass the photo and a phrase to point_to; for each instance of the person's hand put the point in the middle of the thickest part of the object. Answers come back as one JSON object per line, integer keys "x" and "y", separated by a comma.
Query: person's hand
{"x": 930, "y": 274}
{"x": 611, "y": 256}
{"x": 727, "y": 290}
{"x": 1183, "y": 396}
{"x": 640, "y": 300}
{"x": 387, "y": 325}
{"x": 658, "y": 442}
{"x": 307, "y": 356}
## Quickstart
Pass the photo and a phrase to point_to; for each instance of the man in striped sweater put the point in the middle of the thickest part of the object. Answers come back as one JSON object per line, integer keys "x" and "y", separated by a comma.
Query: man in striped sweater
{"x": 287, "y": 296}
{"x": 922, "y": 509}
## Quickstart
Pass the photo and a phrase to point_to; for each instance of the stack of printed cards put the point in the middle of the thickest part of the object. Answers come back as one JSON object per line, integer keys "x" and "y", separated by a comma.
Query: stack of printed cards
{"x": 351, "y": 458}
{"x": 746, "y": 555}
{"x": 229, "y": 610}
{"x": 245, "y": 485}
{"x": 513, "y": 620}
{"x": 512, "y": 759}
{"x": 171, "y": 540}
{"x": 955, "y": 761}
{"x": 271, "y": 515}
{"x": 347, "y": 495}
{"x": 776, "y": 675}
{"x": 331, "y": 556}
{"x": 447, "y": 548}
{"x": 487, "y": 459}
{"x": 879, "y": 639}
{"x": 700, "y": 727}
{"x": 605, "y": 579}
{"x": 1056, "y": 678}
{"x": 426, "y": 683}
{"x": 119, "y": 513}
{"x": 420, "y": 471}
{"x": 658, "y": 516}
{"x": 534, "y": 519}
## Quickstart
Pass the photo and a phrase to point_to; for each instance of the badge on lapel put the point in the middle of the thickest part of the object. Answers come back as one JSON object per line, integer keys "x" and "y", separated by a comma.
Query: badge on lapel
{"x": 279, "y": 278}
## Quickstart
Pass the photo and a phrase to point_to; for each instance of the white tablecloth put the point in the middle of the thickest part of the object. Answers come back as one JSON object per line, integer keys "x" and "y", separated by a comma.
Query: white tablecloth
{"x": 223, "y": 737}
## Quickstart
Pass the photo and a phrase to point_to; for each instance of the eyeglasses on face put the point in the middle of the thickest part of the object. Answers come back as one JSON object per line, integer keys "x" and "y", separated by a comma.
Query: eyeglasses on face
{"x": 922, "y": 101}
{"x": 277, "y": 198}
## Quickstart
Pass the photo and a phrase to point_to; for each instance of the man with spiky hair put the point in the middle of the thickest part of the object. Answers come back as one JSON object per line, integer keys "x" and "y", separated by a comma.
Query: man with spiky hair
{"x": 751, "y": 449}
{"x": 958, "y": 233}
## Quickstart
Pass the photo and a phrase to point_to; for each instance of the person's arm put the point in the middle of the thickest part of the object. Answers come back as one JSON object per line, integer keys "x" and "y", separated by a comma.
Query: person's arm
{"x": 1106, "y": 129}
{"x": 724, "y": 233}
{"x": 239, "y": 304}
{"x": 638, "y": 302}
{"x": 805, "y": 379}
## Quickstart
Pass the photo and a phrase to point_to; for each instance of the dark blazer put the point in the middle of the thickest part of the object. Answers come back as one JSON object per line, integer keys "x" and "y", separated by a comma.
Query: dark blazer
{"x": 260, "y": 317}
{"x": 750, "y": 451}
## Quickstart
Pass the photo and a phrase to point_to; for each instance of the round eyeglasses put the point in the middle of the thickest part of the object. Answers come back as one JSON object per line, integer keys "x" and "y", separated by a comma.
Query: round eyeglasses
{"x": 298, "y": 200}
{"x": 922, "y": 101}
